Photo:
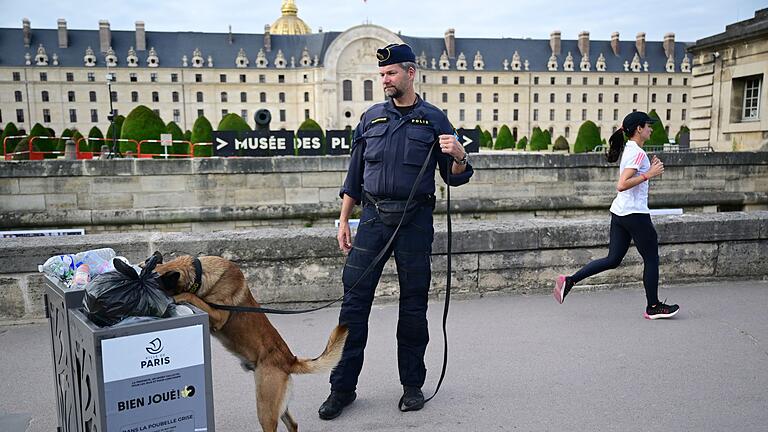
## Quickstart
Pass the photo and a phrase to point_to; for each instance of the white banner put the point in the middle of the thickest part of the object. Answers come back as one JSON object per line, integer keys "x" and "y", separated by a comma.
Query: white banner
{"x": 150, "y": 353}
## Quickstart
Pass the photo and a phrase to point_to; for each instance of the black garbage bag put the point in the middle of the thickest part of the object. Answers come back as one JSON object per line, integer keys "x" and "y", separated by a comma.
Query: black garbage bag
{"x": 114, "y": 295}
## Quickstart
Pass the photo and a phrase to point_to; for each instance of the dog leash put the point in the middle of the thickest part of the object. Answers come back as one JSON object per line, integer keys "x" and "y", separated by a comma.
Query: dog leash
{"x": 449, "y": 166}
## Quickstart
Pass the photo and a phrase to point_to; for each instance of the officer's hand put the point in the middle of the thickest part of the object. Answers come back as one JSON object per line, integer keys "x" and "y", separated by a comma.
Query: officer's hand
{"x": 344, "y": 237}
{"x": 449, "y": 145}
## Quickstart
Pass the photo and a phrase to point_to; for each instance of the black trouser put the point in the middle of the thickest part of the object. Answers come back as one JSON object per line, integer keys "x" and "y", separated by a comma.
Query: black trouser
{"x": 637, "y": 227}
{"x": 412, "y": 248}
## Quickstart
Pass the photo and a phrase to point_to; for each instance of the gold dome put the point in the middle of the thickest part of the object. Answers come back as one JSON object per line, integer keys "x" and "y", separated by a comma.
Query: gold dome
{"x": 289, "y": 23}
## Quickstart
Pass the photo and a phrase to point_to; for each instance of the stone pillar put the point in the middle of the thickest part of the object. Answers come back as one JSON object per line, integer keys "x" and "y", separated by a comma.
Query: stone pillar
{"x": 27, "y": 29}
{"x": 450, "y": 43}
{"x": 554, "y": 42}
{"x": 63, "y": 41}
{"x": 640, "y": 44}
{"x": 141, "y": 36}
{"x": 615, "y": 43}
{"x": 70, "y": 150}
{"x": 584, "y": 43}
{"x": 669, "y": 45}
{"x": 105, "y": 36}
{"x": 267, "y": 39}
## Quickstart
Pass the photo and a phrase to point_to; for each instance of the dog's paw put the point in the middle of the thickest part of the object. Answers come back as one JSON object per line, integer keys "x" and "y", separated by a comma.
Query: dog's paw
{"x": 248, "y": 366}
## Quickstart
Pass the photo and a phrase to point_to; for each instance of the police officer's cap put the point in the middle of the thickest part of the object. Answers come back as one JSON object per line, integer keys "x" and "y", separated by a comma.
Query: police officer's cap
{"x": 395, "y": 53}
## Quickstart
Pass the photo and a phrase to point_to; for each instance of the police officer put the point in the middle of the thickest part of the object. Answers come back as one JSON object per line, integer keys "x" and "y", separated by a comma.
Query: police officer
{"x": 390, "y": 145}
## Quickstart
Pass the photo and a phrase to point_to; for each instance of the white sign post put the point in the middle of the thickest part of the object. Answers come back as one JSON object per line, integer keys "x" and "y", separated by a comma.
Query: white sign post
{"x": 166, "y": 140}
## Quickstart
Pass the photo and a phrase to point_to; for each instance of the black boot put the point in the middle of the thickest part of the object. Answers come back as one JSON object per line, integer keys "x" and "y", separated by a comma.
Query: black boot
{"x": 412, "y": 400}
{"x": 334, "y": 405}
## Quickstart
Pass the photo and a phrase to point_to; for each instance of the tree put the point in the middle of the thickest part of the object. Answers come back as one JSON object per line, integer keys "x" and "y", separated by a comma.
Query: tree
{"x": 233, "y": 122}
{"x": 177, "y": 134}
{"x": 504, "y": 139}
{"x": 481, "y": 138}
{"x": 94, "y": 142}
{"x": 588, "y": 137}
{"x": 522, "y": 143}
{"x": 142, "y": 124}
{"x": 488, "y": 139}
{"x": 561, "y": 144}
{"x": 201, "y": 133}
{"x": 659, "y": 135}
{"x": 188, "y": 135}
{"x": 539, "y": 139}
{"x": 43, "y": 141}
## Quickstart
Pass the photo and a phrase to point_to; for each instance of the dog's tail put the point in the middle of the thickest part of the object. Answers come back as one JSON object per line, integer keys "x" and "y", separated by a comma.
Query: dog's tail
{"x": 328, "y": 359}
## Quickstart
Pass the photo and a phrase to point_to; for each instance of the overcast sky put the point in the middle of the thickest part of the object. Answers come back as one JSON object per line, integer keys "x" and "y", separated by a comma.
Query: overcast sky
{"x": 688, "y": 19}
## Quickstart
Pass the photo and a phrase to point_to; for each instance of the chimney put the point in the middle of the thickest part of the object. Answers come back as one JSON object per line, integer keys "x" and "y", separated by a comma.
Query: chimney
{"x": 27, "y": 32}
{"x": 105, "y": 36}
{"x": 615, "y": 43}
{"x": 554, "y": 42}
{"x": 584, "y": 43}
{"x": 267, "y": 39}
{"x": 669, "y": 45}
{"x": 63, "y": 42}
{"x": 141, "y": 36}
{"x": 640, "y": 44}
{"x": 450, "y": 42}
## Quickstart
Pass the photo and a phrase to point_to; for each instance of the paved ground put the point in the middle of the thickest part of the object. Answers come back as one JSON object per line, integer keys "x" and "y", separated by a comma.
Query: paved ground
{"x": 517, "y": 363}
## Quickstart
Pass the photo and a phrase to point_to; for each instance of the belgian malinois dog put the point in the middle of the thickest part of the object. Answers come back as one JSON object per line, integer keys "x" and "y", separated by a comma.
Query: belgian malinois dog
{"x": 248, "y": 335}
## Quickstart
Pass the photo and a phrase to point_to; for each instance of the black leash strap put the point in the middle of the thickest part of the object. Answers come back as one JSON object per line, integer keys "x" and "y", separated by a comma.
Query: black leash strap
{"x": 365, "y": 273}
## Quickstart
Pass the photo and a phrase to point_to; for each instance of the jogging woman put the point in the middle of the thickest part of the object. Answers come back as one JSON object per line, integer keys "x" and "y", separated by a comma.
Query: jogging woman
{"x": 630, "y": 217}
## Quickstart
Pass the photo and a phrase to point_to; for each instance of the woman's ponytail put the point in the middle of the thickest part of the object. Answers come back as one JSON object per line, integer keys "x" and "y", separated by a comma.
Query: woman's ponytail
{"x": 616, "y": 145}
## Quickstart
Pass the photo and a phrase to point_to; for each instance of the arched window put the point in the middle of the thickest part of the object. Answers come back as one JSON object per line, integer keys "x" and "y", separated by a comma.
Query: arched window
{"x": 224, "y": 97}
{"x": 243, "y": 97}
{"x": 45, "y": 96}
{"x": 155, "y": 96}
{"x": 346, "y": 89}
{"x": 134, "y": 96}
{"x": 175, "y": 96}
{"x": 263, "y": 97}
{"x": 199, "y": 96}
{"x": 368, "y": 90}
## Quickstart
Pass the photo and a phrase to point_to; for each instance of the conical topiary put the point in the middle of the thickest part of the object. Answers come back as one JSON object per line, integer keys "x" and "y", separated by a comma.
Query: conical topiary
{"x": 142, "y": 124}
{"x": 587, "y": 138}
{"x": 504, "y": 139}
{"x": 201, "y": 133}
{"x": 561, "y": 144}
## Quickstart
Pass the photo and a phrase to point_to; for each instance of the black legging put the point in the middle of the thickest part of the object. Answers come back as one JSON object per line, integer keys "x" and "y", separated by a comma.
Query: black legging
{"x": 637, "y": 227}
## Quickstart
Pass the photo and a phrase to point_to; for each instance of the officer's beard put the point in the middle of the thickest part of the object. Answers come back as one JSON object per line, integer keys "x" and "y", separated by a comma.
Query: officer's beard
{"x": 393, "y": 92}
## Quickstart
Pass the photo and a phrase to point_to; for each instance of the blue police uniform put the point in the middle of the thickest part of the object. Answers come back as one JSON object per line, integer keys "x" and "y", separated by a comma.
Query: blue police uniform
{"x": 387, "y": 154}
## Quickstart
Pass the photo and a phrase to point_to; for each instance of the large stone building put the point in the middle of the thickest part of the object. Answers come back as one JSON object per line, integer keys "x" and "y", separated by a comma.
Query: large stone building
{"x": 729, "y": 71}
{"x": 57, "y": 76}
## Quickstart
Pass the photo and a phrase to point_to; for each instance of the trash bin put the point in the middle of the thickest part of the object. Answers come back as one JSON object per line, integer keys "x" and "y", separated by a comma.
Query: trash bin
{"x": 148, "y": 376}
{"x": 58, "y": 300}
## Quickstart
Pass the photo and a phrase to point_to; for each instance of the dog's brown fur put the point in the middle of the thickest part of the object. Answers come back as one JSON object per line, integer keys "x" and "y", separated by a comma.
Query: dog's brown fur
{"x": 248, "y": 335}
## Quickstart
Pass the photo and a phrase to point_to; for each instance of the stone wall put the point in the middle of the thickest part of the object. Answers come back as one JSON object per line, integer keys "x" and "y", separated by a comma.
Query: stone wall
{"x": 304, "y": 265}
{"x": 228, "y": 194}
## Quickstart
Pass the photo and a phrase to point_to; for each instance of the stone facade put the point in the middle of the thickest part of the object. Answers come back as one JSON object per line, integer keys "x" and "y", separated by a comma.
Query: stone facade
{"x": 729, "y": 96}
{"x": 523, "y": 257}
{"x": 242, "y": 193}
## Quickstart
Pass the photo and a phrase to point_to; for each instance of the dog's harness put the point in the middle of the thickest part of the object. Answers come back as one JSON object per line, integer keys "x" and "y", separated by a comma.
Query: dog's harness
{"x": 194, "y": 286}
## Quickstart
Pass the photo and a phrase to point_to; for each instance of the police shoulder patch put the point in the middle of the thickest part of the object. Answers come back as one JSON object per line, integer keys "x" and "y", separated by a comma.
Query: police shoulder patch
{"x": 380, "y": 120}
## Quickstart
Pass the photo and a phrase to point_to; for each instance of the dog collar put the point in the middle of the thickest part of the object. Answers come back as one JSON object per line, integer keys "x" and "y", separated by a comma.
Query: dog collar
{"x": 198, "y": 276}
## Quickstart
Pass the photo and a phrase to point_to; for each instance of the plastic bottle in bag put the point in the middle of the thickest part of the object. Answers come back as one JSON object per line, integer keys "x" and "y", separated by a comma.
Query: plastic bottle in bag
{"x": 98, "y": 260}
{"x": 59, "y": 266}
{"x": 82, "y": 277}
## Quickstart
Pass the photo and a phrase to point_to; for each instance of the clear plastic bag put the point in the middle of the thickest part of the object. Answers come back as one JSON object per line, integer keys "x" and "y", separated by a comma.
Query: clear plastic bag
{"x": 110, "y": 297}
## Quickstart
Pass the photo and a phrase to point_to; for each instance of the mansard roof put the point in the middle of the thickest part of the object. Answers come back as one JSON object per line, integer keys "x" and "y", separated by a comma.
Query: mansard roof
{"x": 172, "y": 46}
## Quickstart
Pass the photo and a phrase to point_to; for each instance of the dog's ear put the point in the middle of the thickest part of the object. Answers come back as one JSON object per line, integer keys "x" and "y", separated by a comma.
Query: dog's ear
{"x": 169, "y": 281}
{"x": 159, "y": 257}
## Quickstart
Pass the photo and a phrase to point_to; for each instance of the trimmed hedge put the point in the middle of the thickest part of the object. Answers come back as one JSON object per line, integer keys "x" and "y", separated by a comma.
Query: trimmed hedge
{"x": 504, "y": 139}
{"x": 177, "y": 135}
{"x": 233, "y": 122}
{"x": 521, "y": 145}
{"x": 118, "y": 125}
{"x": 561, "y": 144}
{"x": 142, "y": 124}
{"x": 44, "y": 143}
{"x": 539, "y": 140}
{"x": 659, "y": 135}
{"x": 588, "y": 137}
{"x": 201, "y": 133}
